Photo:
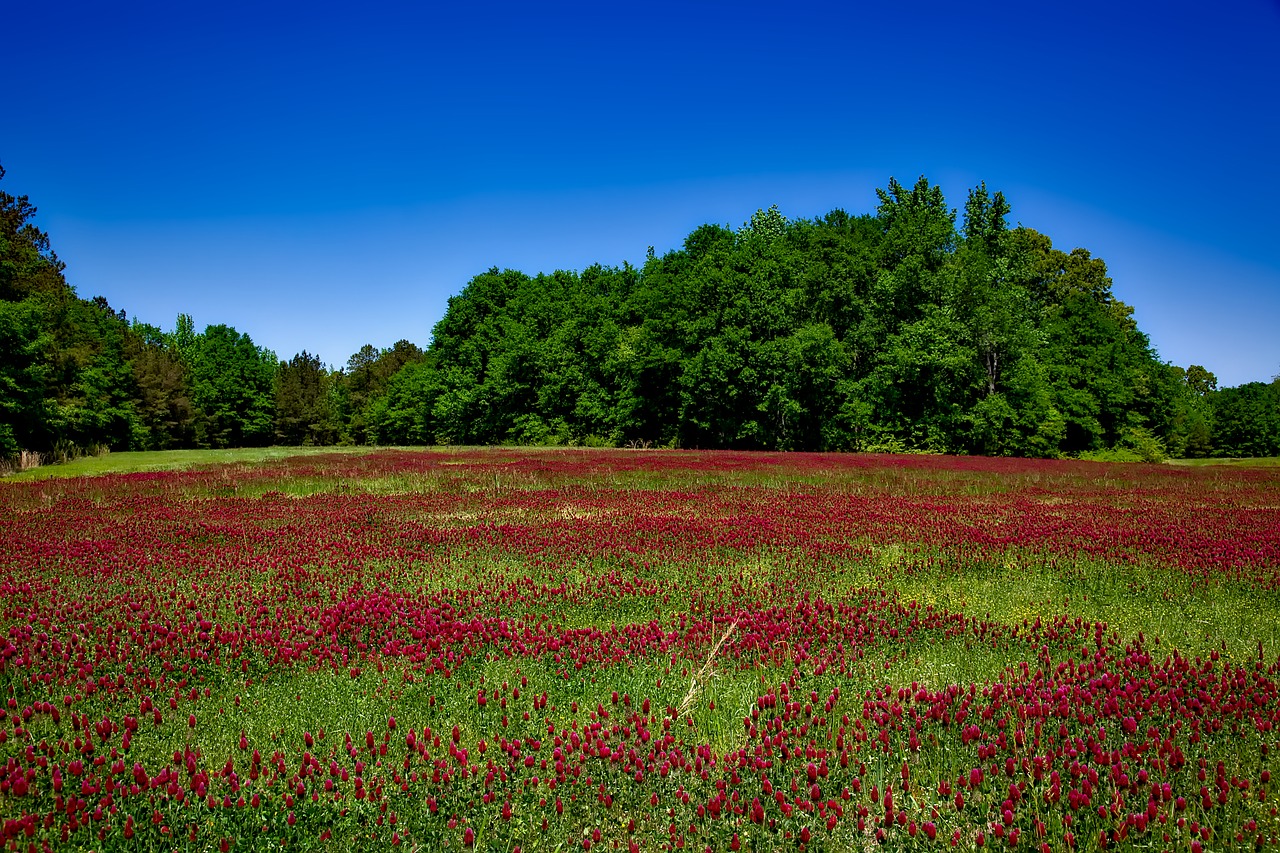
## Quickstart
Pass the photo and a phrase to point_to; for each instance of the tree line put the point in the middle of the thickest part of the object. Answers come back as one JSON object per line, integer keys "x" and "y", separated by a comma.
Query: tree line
{"x": 912, "y": 328}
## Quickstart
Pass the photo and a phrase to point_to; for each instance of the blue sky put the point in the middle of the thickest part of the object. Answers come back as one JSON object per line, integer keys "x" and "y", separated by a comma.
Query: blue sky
{"x": 324, "y": 176}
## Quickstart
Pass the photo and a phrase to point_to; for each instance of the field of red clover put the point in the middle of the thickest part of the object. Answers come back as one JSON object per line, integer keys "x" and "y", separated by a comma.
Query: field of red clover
{"x": 613, "y": 650}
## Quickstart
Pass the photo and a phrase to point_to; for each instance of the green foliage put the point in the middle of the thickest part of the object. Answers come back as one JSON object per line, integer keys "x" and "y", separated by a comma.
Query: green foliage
{"x": 64, "y": 380}
{"x": 28, "y": 265}
{"x": 232, "y": 382}
{"x": 359, "y": 392}
{"x": 304, "y": 402}
{"x": 899, "y": 330}
{"x": 23, "y": 377}
{"x": 1247, "y": 420}
{"x": 1189, "y": 433}
{"x": 842, "y": 333}
{"x": 984, "y": 221}
{"x": 765, "y": 225}
{"x": 405, "y": 413}
{"x": 1136, "y": 445}
{"x": 163, "y": 396}
{"x": 523, "y": 360}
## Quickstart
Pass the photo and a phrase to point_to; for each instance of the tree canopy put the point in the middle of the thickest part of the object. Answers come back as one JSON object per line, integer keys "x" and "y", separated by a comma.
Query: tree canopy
{"x": 911, "y": 328}
{"x": 904, "y": 329}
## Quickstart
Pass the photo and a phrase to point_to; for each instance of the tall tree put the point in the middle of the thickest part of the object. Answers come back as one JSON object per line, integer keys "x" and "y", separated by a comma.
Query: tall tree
{"x": 985, "y": 218}
{"x": 29, "y": 270}
{"x": 919, "y": 237}
{"x": 362, "y": 386}
{"x": 1190, "y": 430}
{"x": 1246, "y": 420}
{"x": 163, "y": 394}
{"x": 65, "y": 384}
{"x": 233, "y": 389}
{"x": 304, "y": 402}
{"x": 25, "y": 411}
{"x": 28, "y": 264}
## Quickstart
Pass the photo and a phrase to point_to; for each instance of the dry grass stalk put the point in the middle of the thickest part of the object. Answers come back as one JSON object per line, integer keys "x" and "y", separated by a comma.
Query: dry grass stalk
{"x": 703, "y": 676}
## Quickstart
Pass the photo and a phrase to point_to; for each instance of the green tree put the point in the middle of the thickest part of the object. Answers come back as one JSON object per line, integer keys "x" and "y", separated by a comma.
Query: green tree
{"x": 1190, "y": 429}
{"x": 65, "y": 385}
{"x": 1246, "y": 420}
{"x": 919, "y": 235}
{"x": 30, "y": 283}
{"x": 163, "y": 395}
{"x": 233, "y": 389}
{"x": 93, "y": 382}
{"x": 365, "y": 380}
{"x": 24, "y": 376}
{"x": 28, "y": 264}
{"x": 720, "y": 394}
{"x": 183, "y": 339}
{"x": 892, "y": 330}
{"x": 1105, "y": 381}
{"x": 985, "y": 218}
{"x": 768, "y": 225}
{"x": 406, "y": 412}
{"x": 304, "y": 402}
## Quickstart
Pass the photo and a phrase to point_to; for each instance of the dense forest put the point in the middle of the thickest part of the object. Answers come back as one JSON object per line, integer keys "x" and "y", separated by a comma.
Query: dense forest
{"x": 904, "y": 330}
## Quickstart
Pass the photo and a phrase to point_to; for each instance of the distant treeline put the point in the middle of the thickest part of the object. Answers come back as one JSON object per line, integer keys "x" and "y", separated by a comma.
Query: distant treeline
{"x": 895, "y": 331}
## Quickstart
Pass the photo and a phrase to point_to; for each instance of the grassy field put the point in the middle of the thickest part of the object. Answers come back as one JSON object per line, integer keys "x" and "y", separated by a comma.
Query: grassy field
{"x": 641, "y": 650}
{"x": 171, "y": 460}
{"x": 181, "y": 460}
{"x": 1264, "y": 462}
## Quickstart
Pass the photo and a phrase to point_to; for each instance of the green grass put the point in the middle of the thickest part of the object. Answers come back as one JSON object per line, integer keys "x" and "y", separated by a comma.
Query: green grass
{"x": 171, "y": 460}
{"x": 1193, "y": 616}
{"x": 1256, "y": 462}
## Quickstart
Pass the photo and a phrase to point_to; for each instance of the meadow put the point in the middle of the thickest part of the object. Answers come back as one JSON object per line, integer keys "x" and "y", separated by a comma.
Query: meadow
{"x": 640, "y": 650}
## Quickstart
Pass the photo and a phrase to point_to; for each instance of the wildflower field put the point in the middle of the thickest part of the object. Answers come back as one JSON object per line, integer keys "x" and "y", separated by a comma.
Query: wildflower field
{"x": 641, "y": 650}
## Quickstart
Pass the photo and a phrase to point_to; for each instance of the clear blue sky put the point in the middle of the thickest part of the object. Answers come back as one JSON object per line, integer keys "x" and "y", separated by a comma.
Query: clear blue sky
{"x": 323, "y": 176}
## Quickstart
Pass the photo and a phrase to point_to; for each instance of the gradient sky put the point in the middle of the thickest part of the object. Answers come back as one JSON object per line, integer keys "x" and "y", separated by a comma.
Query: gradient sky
{"x": 324, "y": 176}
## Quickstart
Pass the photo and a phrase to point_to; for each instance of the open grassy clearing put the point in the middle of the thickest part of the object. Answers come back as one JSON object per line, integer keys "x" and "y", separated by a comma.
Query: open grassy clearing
{"x": 1256, "y": 462}
{"x": 132, "y": 462}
